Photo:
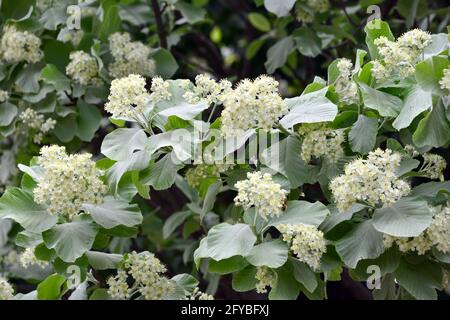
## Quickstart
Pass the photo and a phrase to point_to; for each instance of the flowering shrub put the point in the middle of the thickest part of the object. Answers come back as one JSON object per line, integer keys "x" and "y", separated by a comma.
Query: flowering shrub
{"x": 126, "y": 180}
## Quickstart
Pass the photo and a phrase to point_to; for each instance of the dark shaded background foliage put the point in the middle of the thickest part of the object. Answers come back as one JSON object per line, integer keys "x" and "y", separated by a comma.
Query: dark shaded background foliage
{"x": 200, "y": 48}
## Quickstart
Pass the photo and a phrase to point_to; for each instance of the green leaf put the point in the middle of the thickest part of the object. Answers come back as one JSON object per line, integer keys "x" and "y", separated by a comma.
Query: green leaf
{"x": 253, "y": 48}
{"x": 386, "y": 104}
{"x": 362, "y": 242}
{"x": 244, "y": 280}
{"x": 114, "y": 212}
{"x": 16, "y": 9}
{"x": 8, "y": 112}
{"x": 111, "y": 23}
{"x": 259, "y": 21}
{"x": 301, "y": 212}
{"x": 162, "y": 173}
{"x": 388, "y": 262}
{"x": 123, "y": 142}
{"x": 304, "y": 275}
{"x": 430, "y": 71}
{"x": 185, "y": 111}
{"x": 415, "y": 102}
{"x": 100, "y": 294}
{"x": 363, "y": 135}
{"x": 185, "y": 281}
{"x": 166, "y": 65}
{"x": 72, "y": 239}
{"x": 191, "y": 13}
{"x": 309, "y": 108}
{"x": 434, "y": 129}
{"x": 27, "y": 79}
{"x": 88, "y": 120}
{"x": 307, "y": 42}
{"x": 51, "y": 288}
{"x": 174, "y": 221}
{"x": 103, "y": 261}
{"x": 227, "y": 266}
{"x": 408, "y": 217}
{"x": 283, "y": 157}
{"x": 420, "y": 280}
{"x": 53, "y": 17}
{"x": 286, "y": 287}
{"x": 279, "y": 8}
{"x": 51, "y": 75}
{"x": 272, "y": 254}
{"x": 278, "y": 53}
{"x": 66, "y": 128}
{"x": 375, "y": 29}
{"x": 19, "y": 206}
{"x": 224, "y": 241}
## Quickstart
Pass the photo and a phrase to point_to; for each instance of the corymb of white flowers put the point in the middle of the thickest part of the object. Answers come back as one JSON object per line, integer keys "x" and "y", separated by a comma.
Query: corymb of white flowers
{"x": 31, "y": 119}
{"x": 147, "y": 272}
{"x": 437, "y": 235}
{"x": 83, "y": 68}
{"x": 399, "y": 57}
{"x": 260, "y": 191}
{"x": 127, "y": 98}
{"x": 266, "y": 278}
{"x": 207, "y": 90}
{"x": 130, "y": 57}
{"x": 445, "y": 80}
{"x": 6, "y": 290}
{"x": 67, "y": 182}
{"x": 346, "y": 88}
{"x": 321, "y": 141}
{"x": 252, "y": 104}
{"x": 306, "y": 242}
{"x": 17, "y": 46}
{"x": 373, "y": 181}
{"x": 4, "y": 96}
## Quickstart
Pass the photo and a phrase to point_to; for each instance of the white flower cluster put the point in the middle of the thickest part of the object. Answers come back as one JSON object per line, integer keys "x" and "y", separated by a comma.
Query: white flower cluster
{"x": 160, "y": 90}
{"x": 83, "y": 68}
{"x": 6, "y": 290}
{"x": 436, "y": 235}
{"x": 346, "y": 88}
{"x": 17, "y": 46}
{"x": 260, "y": 191}
{"x": 314, "y": 6}
{"x": 321, "y": 141}
{"x": 445, "y": 80}
{"x": 28, "y": 258}
{"x": 373, "y": 181}
{"x": 4, "y": 95}
{"x": 306, "y": 242}
{"x": 147, "y": 272}
{"x": 130, "y": 57}
{"x": 68, "y": 181}
{"x": 128, "y": 97}
{"x": 199, "y": 295}
{"x": 399, "y": 57}
{"x": 252, "y": 104}
{"x": 71, "y": 35}
{"x": 33, "y": 120}
{"x": 433, "y": 166}
{"x": 207, "y": 90}
{"x": 266, "y": 279}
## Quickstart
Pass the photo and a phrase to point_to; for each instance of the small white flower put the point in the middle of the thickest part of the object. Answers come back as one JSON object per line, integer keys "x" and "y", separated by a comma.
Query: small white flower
{"x": 260, "y": 191}
{"x": 6, "y": 290}
{"x": 17, "y": 46}
{"x": 445, "y": 80}
{"x": 83, "y": 68}
{"x": 4, "y": 95}
{"x": 373, "y": 181}
{"x": 252, "y": 104}
{"x": 130, "y": 57}
{"x": 127, "y": 97}
{"x": 266, "y": 278}
{"x": 67, "y": 182}
{"x": 306, "y": 242}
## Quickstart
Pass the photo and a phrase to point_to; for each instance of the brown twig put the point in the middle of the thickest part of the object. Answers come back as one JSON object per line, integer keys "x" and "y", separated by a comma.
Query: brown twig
{"x": 159, "y": 24}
